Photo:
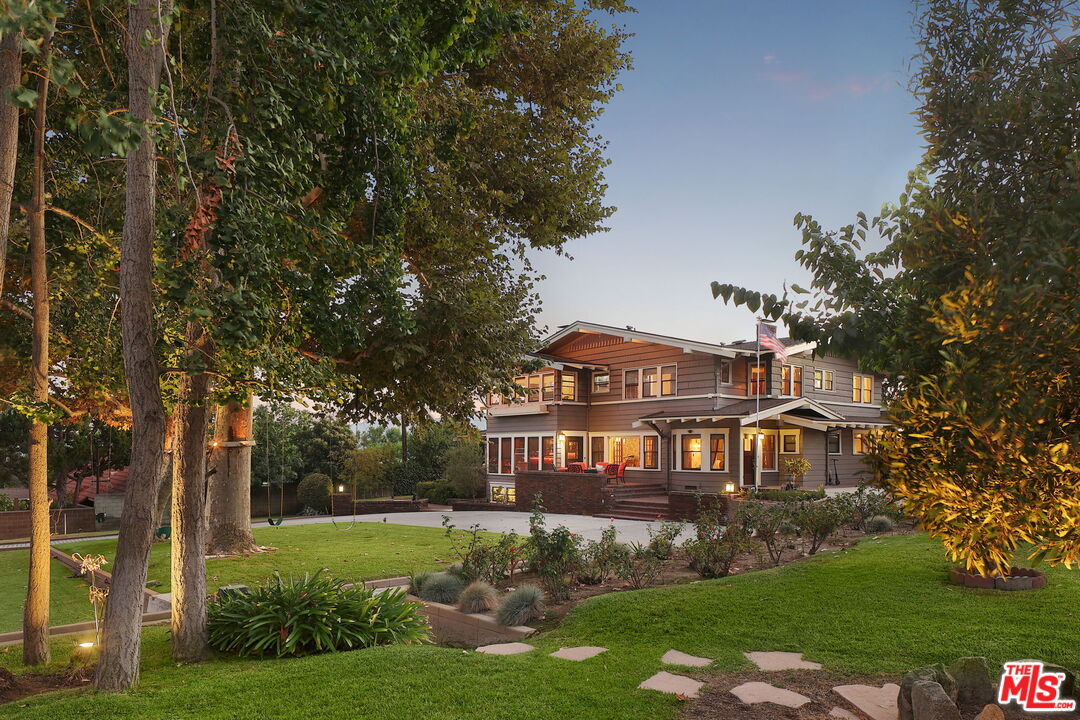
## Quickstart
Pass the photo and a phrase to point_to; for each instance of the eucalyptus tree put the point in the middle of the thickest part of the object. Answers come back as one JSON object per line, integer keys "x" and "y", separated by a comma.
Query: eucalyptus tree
{"x": 970, "y": 308}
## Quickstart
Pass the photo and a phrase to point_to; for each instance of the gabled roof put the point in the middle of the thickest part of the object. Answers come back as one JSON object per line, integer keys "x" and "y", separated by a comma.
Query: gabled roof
{"x": 750, "y": 411}
{"x": 628, "y": 335}
{"x": 562, "y": 363}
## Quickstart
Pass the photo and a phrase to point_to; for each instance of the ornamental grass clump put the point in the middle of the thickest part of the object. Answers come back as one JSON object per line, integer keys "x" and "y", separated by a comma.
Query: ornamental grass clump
{"x": 879, "y": 524}
{"x": 477, "y": 597}
{"x": 416, "y": 582}
{"x": 442, "y": 588}
{"x": 312, "y": 614}
{"x": 522, "y": 605}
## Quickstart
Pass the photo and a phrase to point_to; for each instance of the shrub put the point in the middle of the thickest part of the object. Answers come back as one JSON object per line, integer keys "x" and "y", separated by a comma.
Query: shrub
{"x": 490, "y": 559}
{"x": 441, "y": 587}
{"x": 796, "y": 468}
{"x": 768, "y": 522}
{"x": 787, "y": 495}
{"x": 312, "y": 614}
{"x": 438, "y": 492}
{"x": 640, "y": 566}
{"x": 404, "y": 477}
{"x": 478, "y": 597}
{"x": 416, "y": 582}
{"x": 314, "y": 492}
{"x": 715, "y": 545}
{"x": 817, "y": 520}
{"x": 879, "y": 524}
{"x": 465, "y": 470}
{"x": 601, "y": 559}
{"x": 662, "y": 541}
{"x": 521, "y": 606}
{"x": 864, "y": 504}
{"x": 6, "y": 503}
{"x": 553, "y": 554}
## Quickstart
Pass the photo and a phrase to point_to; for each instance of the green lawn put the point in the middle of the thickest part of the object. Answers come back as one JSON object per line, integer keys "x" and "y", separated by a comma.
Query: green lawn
{"x": 884, "y": 606}
{"x": 70, "y": 603}
{"x": 367, "y": 551}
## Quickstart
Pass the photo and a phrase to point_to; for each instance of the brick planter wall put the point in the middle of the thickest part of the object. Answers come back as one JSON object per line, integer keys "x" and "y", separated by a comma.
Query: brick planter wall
{"x": 452, "y": 627}
{"x": 480, "y": 504}
{"x": 16, "y": 523}
{"x": 566, "y": 493}
{"x": 342, "y": 505}
{"x": 684, "y": 505}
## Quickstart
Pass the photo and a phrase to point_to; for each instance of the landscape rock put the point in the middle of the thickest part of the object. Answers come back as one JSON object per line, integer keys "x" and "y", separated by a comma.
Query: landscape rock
{"x": 934, "y": 673}
{"x": 772, "y": 661}
{"x": 839, "y": 712}
{"x": 991, "y": 712}
{"x": 929, "y": 701}
{"x": 1068, "y": 687}
{"x": 674, "y": 657}
{"x": 973, "y": 683}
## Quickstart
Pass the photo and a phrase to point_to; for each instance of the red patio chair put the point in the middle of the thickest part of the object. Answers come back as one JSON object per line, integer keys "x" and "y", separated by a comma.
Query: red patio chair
{"x": 612, "y": 472}
{"x": 576, "y": 467}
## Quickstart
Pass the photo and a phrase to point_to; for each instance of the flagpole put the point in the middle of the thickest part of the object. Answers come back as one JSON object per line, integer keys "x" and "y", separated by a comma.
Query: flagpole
{"x": 757, "y": 410}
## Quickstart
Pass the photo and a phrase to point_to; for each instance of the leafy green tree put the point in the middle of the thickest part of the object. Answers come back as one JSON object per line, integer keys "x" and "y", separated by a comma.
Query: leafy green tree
{"x": 368, "y": 469}
{"x": 970, "y": 308}
{"x": 464, "y": 469}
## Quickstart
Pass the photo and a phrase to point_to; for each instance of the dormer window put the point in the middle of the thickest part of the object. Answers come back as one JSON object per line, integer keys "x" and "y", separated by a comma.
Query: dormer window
{"x": 791, "y": 380}
{"x": 757, "y": 380}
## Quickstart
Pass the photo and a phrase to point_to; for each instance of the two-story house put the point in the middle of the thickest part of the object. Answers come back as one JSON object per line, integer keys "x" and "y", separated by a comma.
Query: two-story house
{"x": 682, "y": 415}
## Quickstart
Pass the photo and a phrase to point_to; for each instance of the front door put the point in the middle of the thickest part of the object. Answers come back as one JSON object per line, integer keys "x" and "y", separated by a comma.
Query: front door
{"x": 748, "y": 456}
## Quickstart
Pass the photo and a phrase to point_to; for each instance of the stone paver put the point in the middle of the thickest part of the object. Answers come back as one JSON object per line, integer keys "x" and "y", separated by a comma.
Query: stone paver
{"x": 672, "y": 684}
{"x": 514, "y": 648}
{"x": 674, "y": 657}
{"x": 839, "y": 712}
{"x": 991, "y": 712}
{"x": 753, "y": 693}
{"x": 878, "y": 703}
{"x": 781, "y": 661}
{"x": 578, "y": 653}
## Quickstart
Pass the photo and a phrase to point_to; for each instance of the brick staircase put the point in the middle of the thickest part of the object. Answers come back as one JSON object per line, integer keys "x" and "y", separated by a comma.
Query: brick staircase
{"x": 638, "y": 501}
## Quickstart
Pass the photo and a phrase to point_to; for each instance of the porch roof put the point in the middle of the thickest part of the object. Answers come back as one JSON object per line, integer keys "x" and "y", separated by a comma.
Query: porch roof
{"x": 562, "y": 363}
{"x": 748, "y": 412}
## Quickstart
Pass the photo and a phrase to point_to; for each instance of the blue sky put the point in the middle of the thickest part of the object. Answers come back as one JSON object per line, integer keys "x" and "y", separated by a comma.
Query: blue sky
{"x": 737, "y": 115}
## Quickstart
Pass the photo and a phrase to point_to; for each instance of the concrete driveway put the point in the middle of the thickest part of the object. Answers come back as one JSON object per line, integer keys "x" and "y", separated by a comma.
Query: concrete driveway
{"x": 503, "y": 522}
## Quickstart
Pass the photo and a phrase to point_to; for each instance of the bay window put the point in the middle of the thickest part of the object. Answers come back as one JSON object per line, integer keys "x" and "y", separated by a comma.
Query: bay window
{"x": 493, "y": 455}
{"x": 508, "y": 455}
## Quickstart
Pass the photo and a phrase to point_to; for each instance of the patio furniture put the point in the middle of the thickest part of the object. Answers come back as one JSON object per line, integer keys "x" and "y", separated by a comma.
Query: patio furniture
{"x": 615, "y": 473}
{"x": 576, "y": 467}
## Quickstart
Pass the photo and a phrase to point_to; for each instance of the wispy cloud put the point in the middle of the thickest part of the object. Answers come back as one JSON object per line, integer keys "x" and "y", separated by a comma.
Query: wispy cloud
{"x": 807, "y": 85}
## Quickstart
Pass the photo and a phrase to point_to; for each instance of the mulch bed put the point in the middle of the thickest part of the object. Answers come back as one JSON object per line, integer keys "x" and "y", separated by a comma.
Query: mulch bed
{"x": 17, "y": 687}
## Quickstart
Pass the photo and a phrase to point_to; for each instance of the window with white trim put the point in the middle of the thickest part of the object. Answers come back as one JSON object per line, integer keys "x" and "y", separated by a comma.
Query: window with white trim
{"x": 503, "y": 494}
{"x": 725, "y": 372}
{"x": 508, "y": 455}
{"x": 758, "y": 381}
{"x": 601, "y": 382}
{"x": 790, "y": 442}
{"x": 667, "y": 380}
{"x": 639, "y": 452}
{"x": 630, "y": 384}
{"x": 862, "y": 388}
{"x": 649, "y": 383}
{"x": 568, "y": 386}
{"x": 791, "y": 380}
{"x": 690, "y": 451}
{"x": 863, "y": 442}
{"x": 650, "y": 452}
{"x": 718, "y": 452}
{"x": 832, "y": 442}
{"x": 700, "y": 450}
{"x": 823, "y": 379}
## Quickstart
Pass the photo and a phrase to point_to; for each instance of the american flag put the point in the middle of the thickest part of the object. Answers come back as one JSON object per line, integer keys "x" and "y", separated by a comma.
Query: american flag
{"x": 767, "y": 340}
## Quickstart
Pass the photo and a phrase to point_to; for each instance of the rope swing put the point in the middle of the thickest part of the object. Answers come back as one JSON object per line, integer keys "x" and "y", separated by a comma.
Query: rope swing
{"x": 352, "y": 524}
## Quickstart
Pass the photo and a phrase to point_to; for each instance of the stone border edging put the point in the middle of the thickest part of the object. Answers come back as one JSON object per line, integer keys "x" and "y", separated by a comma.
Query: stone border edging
{"x": 14, "y": 638}
{"x": 1017, "y": 579}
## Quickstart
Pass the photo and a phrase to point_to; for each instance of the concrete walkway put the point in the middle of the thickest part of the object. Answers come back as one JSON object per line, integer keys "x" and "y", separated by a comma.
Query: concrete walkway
{"x": 491, "y": 520}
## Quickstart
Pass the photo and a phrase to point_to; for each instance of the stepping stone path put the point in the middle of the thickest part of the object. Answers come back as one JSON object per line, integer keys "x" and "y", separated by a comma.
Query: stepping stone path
{"x": 672, "y": 684}
{"x": 838, "y": 712}
{"x": 514, "y": 648}
{"x": 674, "y": 657}
{"x": 878, "y": 703}
{"x": 753, "y": 693}
{"x": 771, "y": 661}
{"x": 578, "y": 653}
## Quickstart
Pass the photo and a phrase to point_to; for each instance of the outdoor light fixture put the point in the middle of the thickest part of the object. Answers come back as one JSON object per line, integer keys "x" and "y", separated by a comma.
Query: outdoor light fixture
{"x": 87, "y": 644}
{"x": 341, "y": 488}
{"x": 729, "y": 488}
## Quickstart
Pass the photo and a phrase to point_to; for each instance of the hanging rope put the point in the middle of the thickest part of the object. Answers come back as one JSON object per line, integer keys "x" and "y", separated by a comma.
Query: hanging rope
{"x": 281, "y": 478}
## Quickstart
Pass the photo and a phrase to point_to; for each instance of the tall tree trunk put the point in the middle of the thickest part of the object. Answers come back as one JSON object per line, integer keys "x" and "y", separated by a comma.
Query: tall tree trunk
{"x": 36, "y": 610}
{"x": 118, "y": 666}
{"x": 189, "y": 638}
{"x": 10, "y": 76}
{"x": 230, "y": 486}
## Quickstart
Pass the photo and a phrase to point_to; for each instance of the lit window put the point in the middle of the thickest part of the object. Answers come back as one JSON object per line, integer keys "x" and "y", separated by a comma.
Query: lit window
{"x": 648, "y": 382}
{"x": 625, "y": 450}
{"x": 534, "y": 388}
{"x": 819, "y": 379}
{"x": 667, "y": 380}
{"x": 519, "y": 455}
{"x": 757, "y": 380}
{"x": 574, "y": 448}
{"x": 791, "y": 380}
{"x": 651, "y": 452}
{"x": 548, "y": 393}
{"x": 630, "y": 384}
{"x": 862, "y": 442}
{"x": 498, "y": 494}
{"x": 862, "y": 388}
{"x": 828, "y": 379}
{"x": 601, "y": 382}
{"x": 547, "y": 460}
{"x": 717, "y": 454}
{"x": 494, "y": 399}
{"x": 534, "y": 453}
{"x": 768, "y": 452}
{"x": 691, "y": 452}
{"x": 568, "y": 386}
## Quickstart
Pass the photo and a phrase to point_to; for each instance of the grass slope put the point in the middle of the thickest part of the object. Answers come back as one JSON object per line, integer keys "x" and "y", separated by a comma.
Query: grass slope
{"x": 367, "y": 551}
{"x": 884, "y": 606}
{"x": 69, "y": 602}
